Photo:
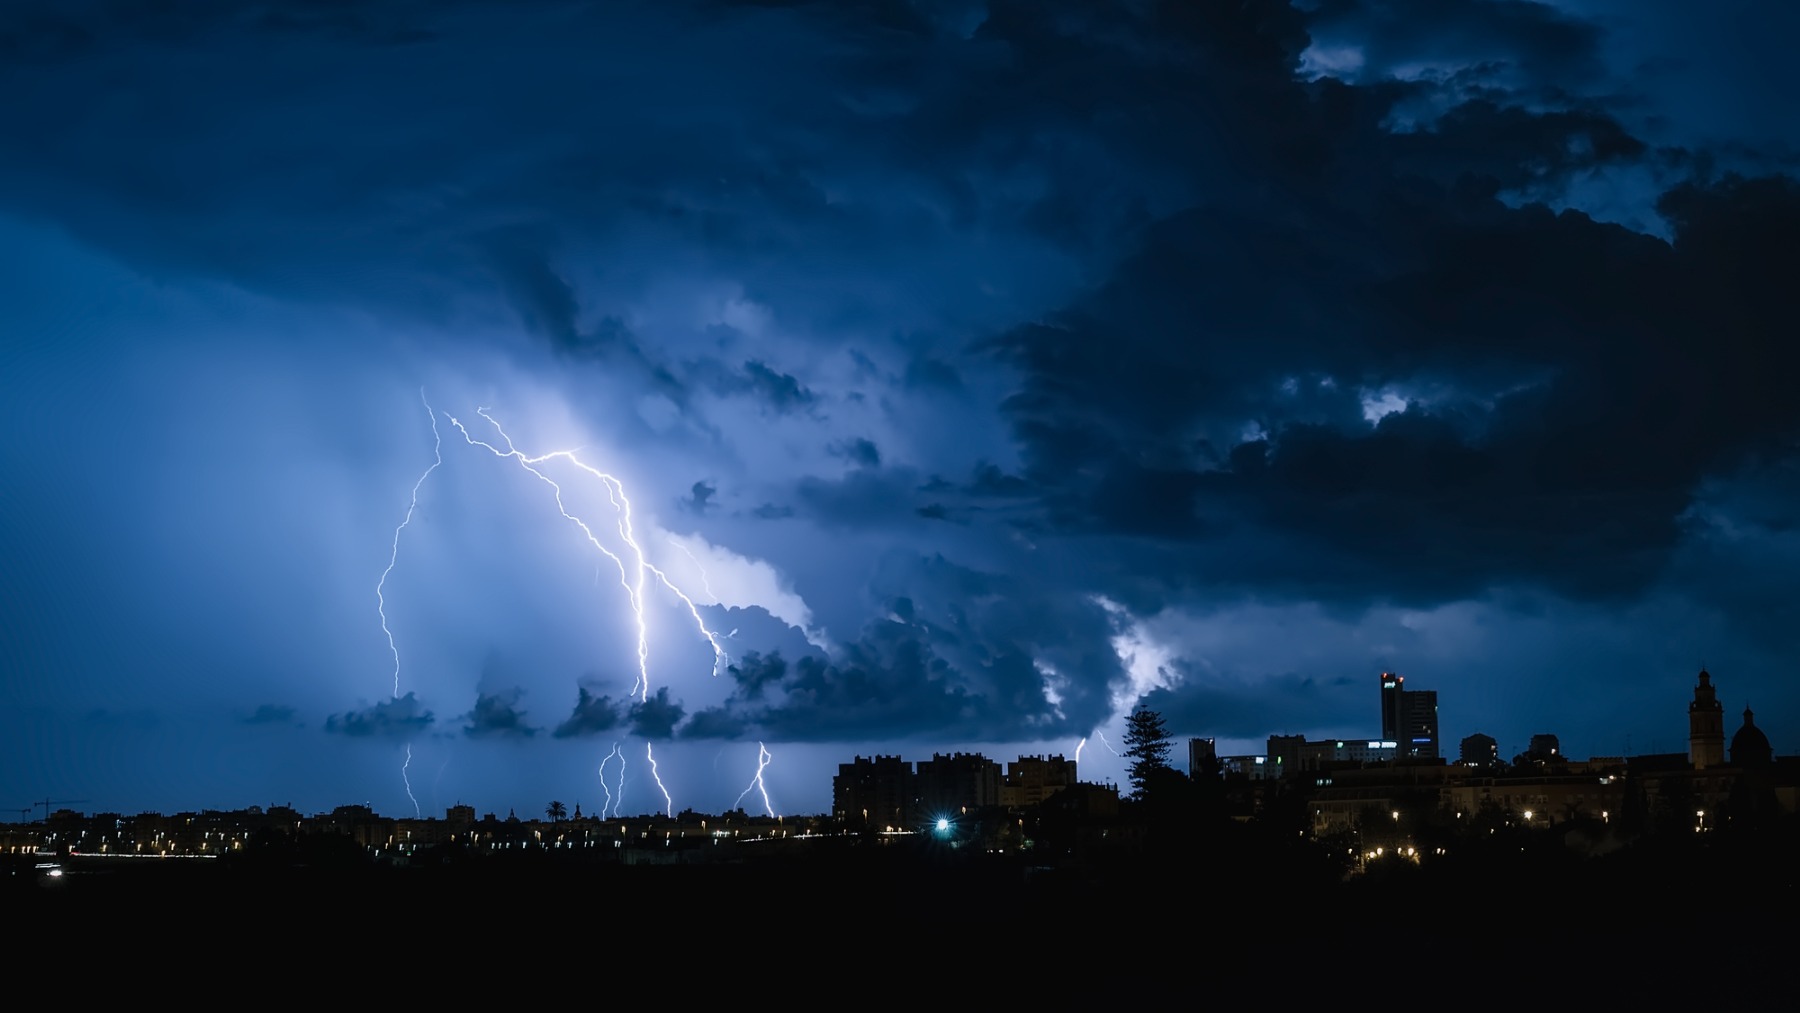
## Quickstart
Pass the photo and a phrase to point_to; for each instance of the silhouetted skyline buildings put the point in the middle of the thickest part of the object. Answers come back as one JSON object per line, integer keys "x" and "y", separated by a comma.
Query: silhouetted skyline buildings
{"x": 1409, "y": 717}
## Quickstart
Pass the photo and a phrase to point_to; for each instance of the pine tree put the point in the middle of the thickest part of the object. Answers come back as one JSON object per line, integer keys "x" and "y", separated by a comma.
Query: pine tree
{"x": 1147, "y": 744}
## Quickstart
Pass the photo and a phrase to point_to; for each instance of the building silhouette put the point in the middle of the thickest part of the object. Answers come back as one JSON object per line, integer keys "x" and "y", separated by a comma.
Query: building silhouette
{"x": 875, "y": 792}
{"x": 1750, "y": 747}
{"x": 1032, "y": 779}
{"x": 1409, "y": 718}
{"x": 1203, "y": 755}
{"x": 957, "y": 783}
{"x": 1479, "y": 750}
{"x": 1706, "y": 725}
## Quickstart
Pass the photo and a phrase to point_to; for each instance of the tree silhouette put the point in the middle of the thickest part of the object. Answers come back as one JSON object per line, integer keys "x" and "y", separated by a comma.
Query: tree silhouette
{"x": 556, "y": 811}
{"x": 1147, "y": 743}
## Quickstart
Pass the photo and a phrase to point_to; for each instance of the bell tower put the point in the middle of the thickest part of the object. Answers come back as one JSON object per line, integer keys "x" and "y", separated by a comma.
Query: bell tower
{"x": 1706, "y": 726}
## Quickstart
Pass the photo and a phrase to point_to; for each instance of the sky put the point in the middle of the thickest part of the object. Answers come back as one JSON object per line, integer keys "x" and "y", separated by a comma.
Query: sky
{"x": 420, "y": 403}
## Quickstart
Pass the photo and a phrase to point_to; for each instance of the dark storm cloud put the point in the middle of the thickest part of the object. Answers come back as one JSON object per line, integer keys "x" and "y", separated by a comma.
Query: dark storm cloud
{"x": 1513, "y": 41}
{"x": 401, "y": 717}
{"x": 498, "y": 715}
{"x": 592, "y": 715}
{"x": 715, "y": 723}
{"x": 981, "y": 672}
{"x": 1562, "y": 380}
{"x": 547, "y": 302}
{"x": 930, "y": 373}
{"x": 861, "y": 452}
{"x": 655, "y": 717}
{"x": 775, "y": 392}
{"x": 781, "y": 391}
{"x": 864, "y": 497}
{"x": 271, "y": 714}
{"x": 1275, "y": 703}
{"x": 700, "y": 497}
{"x": 889, "y": 682}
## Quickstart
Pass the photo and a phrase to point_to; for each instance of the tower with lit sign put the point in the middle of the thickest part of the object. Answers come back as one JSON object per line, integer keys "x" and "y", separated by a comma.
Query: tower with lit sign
{"x": 1409, "y": 718}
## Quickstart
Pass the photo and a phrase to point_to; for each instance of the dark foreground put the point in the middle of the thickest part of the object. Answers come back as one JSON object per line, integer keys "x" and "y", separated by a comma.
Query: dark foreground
{"x": 1639, "y": 928}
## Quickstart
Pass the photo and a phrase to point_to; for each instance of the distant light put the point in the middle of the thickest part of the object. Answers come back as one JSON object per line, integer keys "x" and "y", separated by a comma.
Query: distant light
{"x": 943, "y": 825}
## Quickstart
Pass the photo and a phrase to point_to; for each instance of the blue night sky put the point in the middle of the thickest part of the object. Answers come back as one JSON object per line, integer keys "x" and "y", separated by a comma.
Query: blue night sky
{"x": 973, "y": 372}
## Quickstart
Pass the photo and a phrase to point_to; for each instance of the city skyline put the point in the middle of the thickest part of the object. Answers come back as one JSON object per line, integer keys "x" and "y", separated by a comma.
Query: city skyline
{"x": 413, "y": 403}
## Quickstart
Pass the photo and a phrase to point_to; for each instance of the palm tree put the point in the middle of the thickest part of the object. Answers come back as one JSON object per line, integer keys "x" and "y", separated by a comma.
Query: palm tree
{"x": 556, "y": 811}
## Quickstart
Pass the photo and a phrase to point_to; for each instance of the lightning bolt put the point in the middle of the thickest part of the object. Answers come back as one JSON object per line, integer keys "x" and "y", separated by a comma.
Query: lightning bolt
{"x": 668, "y": 803}
{"x": 633, "y": 577}
{"x": 407, "y": 780}
{"x": 762, "y": 763}
{"x": 604, "y": 788}
{"x": 705, "y": 585}
{"x": 412, "y": 506}
{"x": 1102, "y": 737}
{"x": 1078, "y": 746}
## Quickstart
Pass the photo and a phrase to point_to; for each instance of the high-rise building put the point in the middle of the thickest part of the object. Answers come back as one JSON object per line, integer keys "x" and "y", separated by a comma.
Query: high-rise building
{"x": 1393, "y": 688}
{"x": 957, "y": 782}
{"x": 1706, "y": 726}
{"x": 1409, "y": 717}
{"x": 875, "y": 792}
{"x": 1032, "y": 779}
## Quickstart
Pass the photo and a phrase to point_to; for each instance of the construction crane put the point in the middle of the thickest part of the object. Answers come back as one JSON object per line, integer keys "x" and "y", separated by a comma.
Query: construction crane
{"x": 46, "y": 803}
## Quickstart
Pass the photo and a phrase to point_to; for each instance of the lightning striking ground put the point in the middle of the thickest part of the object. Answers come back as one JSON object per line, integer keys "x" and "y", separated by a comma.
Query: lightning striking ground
{"x": 609, "y": 793}
{"x": 668, "y": 802}
{"x": 762, "y": 763}
{"x": 412, "y": 506}
{"x": 406, "y": 779}
{"x": 633, "y": 577}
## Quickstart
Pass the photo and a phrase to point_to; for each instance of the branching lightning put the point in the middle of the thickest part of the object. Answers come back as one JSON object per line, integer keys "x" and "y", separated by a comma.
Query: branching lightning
{"x": 632, "y": 577}
{"x": 1102, "y": 737}
{"x": 609, "y": 793}
{"x": 705, "y": 585}
{"x": 412, "y": 506}
{"x": 668, "y": 802}
{"x": 762, "y": 763}
{"x": 635, "y": 574}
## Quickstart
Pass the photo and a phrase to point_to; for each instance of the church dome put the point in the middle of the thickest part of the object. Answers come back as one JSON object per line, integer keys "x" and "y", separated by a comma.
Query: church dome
{"x": 1750, "y": 747}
